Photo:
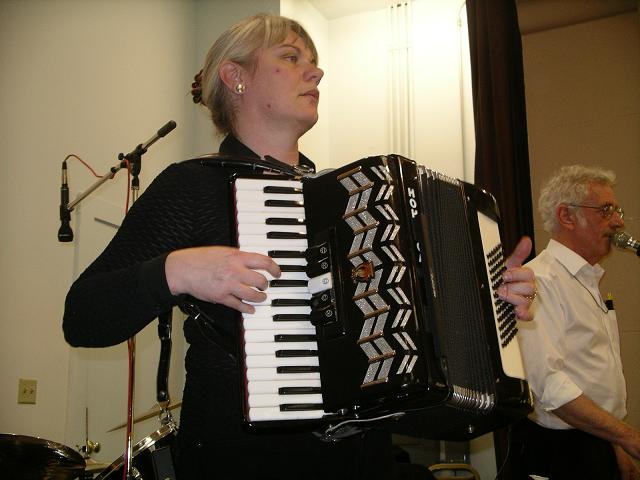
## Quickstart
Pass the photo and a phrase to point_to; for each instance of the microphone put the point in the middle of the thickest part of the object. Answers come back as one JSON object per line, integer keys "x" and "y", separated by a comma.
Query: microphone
{"x": 624, "y": 240}
{"x": 65, "y": 234}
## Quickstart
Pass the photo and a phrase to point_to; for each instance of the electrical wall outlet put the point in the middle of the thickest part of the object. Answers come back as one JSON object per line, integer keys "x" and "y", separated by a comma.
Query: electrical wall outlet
{"x": 27, "y": 390}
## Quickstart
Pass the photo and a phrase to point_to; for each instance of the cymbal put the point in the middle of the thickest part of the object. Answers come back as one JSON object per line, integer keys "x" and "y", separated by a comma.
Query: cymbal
{"x": 31, "y": 458}
{"x": 153, "y": 412}
{"x": 94, "y": 466}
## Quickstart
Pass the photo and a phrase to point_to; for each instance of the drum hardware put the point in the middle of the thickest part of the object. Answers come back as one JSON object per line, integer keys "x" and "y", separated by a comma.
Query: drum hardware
{"x": 149, "y": 455}
{"x": 88, "y": 448}
{"x": 154, "y": 411}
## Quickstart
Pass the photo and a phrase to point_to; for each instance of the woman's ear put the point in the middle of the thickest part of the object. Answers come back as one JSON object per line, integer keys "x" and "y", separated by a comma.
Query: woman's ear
{"x": 231, "y": 74}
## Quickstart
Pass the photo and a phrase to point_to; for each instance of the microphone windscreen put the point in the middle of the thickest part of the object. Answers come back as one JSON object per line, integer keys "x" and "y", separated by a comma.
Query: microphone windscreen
{"x": 170, "y": 125}
{"x": 621, "y": 239}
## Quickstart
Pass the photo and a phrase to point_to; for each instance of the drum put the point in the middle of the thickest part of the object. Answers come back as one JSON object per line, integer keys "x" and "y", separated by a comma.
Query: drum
{"x": 33, "y": 458}
{"x": 160, "y": 444}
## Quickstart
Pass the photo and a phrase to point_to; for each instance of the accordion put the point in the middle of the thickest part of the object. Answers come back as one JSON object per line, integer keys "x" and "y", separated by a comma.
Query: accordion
{"x": 386, "y": 310}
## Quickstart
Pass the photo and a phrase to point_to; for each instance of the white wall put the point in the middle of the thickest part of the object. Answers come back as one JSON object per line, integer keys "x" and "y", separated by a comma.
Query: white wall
{"x": 358, "y": 87}
{"x": 438, "y": 89}
{"x": 95, "y": 79}
{"x": 359, "y": 49}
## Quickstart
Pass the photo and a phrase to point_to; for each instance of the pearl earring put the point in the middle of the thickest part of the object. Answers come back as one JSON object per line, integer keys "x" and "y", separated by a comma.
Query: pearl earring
{"x": 240, "y": 88}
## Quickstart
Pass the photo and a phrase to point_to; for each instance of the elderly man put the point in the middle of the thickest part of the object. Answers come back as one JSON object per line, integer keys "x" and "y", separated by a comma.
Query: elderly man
{"x": 571, "y": 350}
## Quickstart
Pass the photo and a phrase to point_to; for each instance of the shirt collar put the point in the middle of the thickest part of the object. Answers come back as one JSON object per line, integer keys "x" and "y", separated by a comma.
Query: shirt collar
{"x": 573, "y": 262}
{"x": 232, "y": 146}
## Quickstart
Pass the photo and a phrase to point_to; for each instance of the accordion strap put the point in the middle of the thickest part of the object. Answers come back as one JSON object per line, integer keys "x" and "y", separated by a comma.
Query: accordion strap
{"x": 162, "y": 378}
{"x": 268, "y": 163}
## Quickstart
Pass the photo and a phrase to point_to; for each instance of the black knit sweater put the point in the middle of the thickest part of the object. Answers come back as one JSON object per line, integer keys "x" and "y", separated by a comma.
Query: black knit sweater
{"x": 125, "y": 288}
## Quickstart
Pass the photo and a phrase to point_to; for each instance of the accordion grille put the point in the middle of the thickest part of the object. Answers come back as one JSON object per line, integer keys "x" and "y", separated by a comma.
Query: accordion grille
{"x": 459, "y": 298}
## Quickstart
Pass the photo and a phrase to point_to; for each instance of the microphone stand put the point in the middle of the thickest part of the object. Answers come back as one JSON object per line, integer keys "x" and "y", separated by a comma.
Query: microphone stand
{"x": 134, "y": 160}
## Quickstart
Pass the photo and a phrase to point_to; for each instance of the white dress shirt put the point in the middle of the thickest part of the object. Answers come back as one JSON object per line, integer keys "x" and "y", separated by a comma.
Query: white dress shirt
{"x": 572, "y": 346}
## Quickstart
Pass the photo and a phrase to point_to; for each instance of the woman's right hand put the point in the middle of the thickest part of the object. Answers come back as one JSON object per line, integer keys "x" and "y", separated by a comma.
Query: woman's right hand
{"x": 220, "y": 274}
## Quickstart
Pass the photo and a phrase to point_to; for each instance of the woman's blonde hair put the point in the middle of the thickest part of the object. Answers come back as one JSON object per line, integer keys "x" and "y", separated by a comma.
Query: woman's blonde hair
{"x": 240, "y": 44}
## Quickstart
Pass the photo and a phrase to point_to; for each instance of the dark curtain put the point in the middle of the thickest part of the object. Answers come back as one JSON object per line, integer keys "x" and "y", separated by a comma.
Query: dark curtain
{"x": 502, "y": 159}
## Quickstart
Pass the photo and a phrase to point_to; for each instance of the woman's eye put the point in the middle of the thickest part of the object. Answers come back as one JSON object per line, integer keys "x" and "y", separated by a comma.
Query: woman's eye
{"x": 291, "y": 58}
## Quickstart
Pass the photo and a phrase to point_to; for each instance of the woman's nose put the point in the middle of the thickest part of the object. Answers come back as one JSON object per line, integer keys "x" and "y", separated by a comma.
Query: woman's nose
{"x": 316, "y": 74}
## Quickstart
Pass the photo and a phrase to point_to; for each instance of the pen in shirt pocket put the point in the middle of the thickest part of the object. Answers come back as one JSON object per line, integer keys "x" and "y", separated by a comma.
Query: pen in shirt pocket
{"x": 609, "y": 301}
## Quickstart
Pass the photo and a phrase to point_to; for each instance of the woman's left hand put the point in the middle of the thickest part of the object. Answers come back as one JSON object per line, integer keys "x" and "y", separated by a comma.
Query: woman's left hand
{"x": 519, "y": 283}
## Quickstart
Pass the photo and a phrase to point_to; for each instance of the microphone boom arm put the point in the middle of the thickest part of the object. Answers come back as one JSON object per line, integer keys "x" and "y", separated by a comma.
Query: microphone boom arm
{"x": 65, "y": 234}
{"x": 107, "y": 176}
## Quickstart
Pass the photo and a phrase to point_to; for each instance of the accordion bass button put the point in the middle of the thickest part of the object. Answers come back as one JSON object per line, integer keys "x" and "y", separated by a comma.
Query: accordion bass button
{"x": 320, "y": 283}
{"x": 322, "y": 300}
{"x": 322, "y": 317}
{"x": 317, "y": 252}
{"x": 318, "y": 268}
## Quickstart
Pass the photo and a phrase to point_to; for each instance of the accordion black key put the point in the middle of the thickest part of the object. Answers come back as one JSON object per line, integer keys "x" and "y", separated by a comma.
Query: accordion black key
{"x": 387, "y": 305}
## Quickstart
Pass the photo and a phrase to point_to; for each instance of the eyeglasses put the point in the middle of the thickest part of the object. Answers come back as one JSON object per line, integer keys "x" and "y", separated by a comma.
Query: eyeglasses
{"x": 606, "y": 211}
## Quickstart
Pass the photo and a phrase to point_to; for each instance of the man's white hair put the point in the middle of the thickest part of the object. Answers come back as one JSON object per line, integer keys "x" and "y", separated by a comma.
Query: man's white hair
{"x": 569, "y": 185}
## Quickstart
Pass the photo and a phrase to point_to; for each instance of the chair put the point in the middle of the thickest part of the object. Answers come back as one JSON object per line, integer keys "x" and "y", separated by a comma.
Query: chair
{"x": 454, "y": 471}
